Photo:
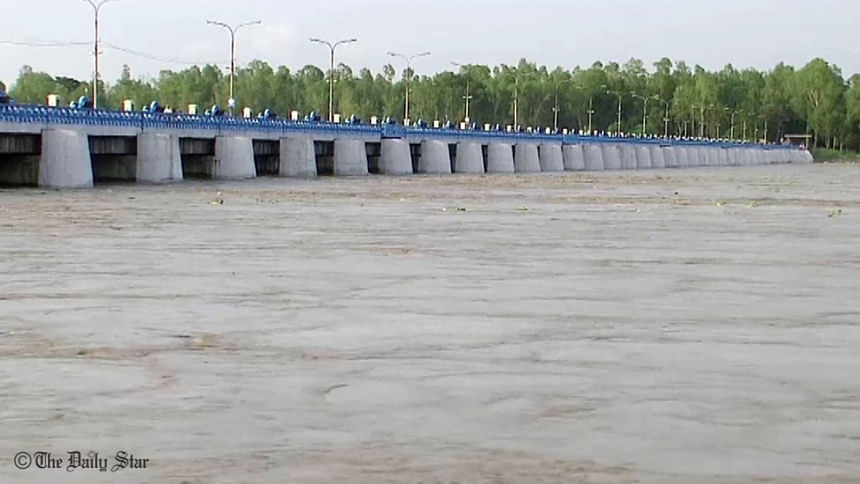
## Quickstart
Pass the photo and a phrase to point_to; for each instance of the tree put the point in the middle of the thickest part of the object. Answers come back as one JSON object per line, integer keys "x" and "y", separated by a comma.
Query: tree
{"x": 852, "y": 97}
{"x": 817, "y": 93}
{"x": 747, "y": 103}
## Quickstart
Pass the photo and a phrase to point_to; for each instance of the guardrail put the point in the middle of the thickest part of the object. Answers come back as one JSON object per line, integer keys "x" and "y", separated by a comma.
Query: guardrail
{"x": 45, "y": 115}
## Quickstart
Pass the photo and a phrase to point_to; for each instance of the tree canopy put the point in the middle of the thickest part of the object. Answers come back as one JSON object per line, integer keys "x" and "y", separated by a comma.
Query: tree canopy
{"x": 673, "y": 97}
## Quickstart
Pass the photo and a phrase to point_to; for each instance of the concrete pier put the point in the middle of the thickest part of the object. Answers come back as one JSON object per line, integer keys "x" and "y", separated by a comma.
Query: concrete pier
{"x": 500, "y": 158}
{"x": 395, "y": 157}
{"x": 697, "y": 156}
{"x": 350, "y": 157}
{"x": 573, "y": 157}
{"x": 713, "y": 156}
{"x": 297, "y": 158}
{"x": 643, "y": 157}
{"x": 593, "y": 155}
{"x": 65, "y": 160}
{"x": 526, "y": 158}
{"x": 470, "y": 158}
{"x": 234, "y": 158}
{"x": 723, "y": 157}
{"x": 435, "y": 158}
{"x": 628, "y": 156}
{"x": 551, "y": 158}
{"x": 159, "y": 159}
{"x": 670, "y": 156}
{"x": 734, "y": 156}
{"x": 611, "y": 157}
{"x": 684, "y": 155}
{"x": 658, "y": 160}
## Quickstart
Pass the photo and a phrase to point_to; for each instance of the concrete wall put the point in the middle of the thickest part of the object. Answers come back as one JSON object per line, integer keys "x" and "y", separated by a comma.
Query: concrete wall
{"x": 158, "y": 158}
{"x": 551, "y": 158}
{"x": 628, "y": 157}
{"x": 395, "y": 158}
{"x": 470, "y": 158}
{"x": 234, "y": 158}
{"x": 526, "y": 158}
{"x": 670, "y": 156}
{"x": 350, "y": 157}
{"x": 435, "y": 157}
{"x": 574, "y": 157}
{"x": 611, "y": 157}
{"x": 593, "y": 157}
{"x": 297, "y": 158}
{"x": 65, "y": 160}
{"x": 643, "y": 157}
{"x": 657, "y": 158}
{"x": 500, "y": 158}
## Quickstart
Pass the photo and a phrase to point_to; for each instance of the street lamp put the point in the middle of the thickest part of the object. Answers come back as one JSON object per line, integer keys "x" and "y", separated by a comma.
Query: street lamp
{"x": 232, "y": 29}
{"x": 732, "y": 132}
{"x": 332, "y": 47}
{"x": 645, "y": 100}
{"x": 617, "y": 93}
{"x": 96, "y": 8}
{"x": 556, "y": 109}
{"x": 408, "y": 60}
{"x": 666, "y": 120}
{"x": 467, "y": 97}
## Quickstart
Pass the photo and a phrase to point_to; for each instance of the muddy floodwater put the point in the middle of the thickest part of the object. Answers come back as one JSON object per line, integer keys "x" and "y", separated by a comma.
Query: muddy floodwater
{"x": 696, "y": 325}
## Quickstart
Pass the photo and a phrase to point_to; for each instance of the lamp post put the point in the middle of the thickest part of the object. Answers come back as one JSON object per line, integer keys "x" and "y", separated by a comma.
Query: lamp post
{"x": 332, "y": 48}
{"x": 666, "y": 120}
{"x": 645, "y": 100}
{"x": 467, "y": 97}
{"x": 408, "y": 60}
{"x": 96, "y": 9}
{"x": 590, "y": 115}
{"x": 617, "y": 93}
{"x": 516, "y": 100}
{"x": 732, "y": 129}
{"x": 232, "y": 29}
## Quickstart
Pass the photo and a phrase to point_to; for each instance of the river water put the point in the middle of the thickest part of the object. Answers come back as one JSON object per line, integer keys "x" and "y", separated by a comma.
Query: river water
{"x": 696, "y": 325}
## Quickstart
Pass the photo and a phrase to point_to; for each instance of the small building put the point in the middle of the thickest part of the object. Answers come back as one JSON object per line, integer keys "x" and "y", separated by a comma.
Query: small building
{"x": 804, "y": 140}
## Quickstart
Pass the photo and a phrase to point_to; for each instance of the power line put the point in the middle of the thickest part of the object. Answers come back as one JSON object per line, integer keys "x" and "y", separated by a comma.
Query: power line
{"x": 45, "y": 43}
{"x": 144, "y": 55}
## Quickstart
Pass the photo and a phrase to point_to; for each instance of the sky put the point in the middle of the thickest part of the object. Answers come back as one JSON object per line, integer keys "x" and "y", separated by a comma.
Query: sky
{"x": 567, "y": 33}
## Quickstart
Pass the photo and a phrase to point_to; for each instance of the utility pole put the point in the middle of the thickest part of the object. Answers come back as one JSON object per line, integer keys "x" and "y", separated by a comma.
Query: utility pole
{"x": 231, "y": 103}
{"x": 467, "y": 97}
{"x": 96, "y": 9}
{"x": 732, "y": 131}
{"x": 332, "y": 48}
{"x": 666, "y": 121}
{"x": 590, "y": 115}
{"x": 692, "y": 120}
{"x": 408, "y": 60}
{"x": 516, "y": 101}
{"x": 645, "y": 100}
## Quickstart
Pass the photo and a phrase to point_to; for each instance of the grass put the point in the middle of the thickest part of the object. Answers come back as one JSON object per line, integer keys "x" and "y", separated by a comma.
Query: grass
{"x": 823, "y": 155}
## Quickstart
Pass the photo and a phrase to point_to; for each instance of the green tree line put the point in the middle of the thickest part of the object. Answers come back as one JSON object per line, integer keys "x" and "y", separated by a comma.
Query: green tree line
{"x": 672, "y": 97}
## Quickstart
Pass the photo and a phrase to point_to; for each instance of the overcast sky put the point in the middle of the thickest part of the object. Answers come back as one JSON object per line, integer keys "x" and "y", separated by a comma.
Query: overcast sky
{"x": 712, "y": 33}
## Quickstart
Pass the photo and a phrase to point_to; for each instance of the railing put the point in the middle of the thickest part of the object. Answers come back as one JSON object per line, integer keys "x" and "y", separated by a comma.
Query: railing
{"x": 45, "y": 115}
